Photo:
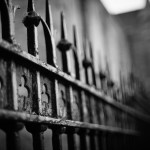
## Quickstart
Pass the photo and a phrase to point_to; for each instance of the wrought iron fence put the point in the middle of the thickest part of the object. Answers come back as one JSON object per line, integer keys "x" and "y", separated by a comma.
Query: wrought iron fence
{"x": 40, "y": 96}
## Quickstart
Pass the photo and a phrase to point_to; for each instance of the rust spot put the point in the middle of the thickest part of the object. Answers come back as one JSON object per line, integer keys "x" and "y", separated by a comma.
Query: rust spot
{"x": 75, "y": 108}
{"x": 45, "y": 99}
{"x": 62, "y": 104}
{"x": 23, "y": 92}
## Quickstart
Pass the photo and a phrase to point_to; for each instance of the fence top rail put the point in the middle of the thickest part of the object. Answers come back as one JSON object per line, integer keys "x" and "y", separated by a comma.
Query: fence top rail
{"x": 16, "y": 52}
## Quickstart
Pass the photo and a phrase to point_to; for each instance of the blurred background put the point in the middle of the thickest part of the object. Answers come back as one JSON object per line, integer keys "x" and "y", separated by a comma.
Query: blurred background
{"x": 119, "y": 31}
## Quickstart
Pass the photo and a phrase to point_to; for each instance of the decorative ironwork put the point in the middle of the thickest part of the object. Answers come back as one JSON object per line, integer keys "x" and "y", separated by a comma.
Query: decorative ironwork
{"x": 40, "y": 96}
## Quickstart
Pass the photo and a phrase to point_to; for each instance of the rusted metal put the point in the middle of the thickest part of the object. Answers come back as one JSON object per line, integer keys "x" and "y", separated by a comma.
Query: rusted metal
{"x": 40, "y": 95}
{"x": 7, "y": 49}
{"x": 11, "y": 115}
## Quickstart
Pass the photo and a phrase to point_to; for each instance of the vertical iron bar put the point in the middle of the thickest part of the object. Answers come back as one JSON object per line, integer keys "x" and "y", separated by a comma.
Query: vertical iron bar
{"x": 31, "y": 6}
{"x": 38, "y": 141}
{"x": 98, "y": 145}
{"x": 12, "y": 129}
{"x": 83, "y": 145}
{"x": 86, "y": 76}
{"x": 102, "y": 77}
{"x": 56, "y": 139}
{"x": 71, "y": 142}
{"x": 86, "y": 71}
{"x": 83, "y": 141}
{"x": 13, "y": 140}
{"x": 92, "y": 141}
{"x": 65, "y": 62}
{"x": 64, "y": 36}
{"x": 102, "y": 137}
{"x": 32, "y": 40}
{"x": 37, "y": 132}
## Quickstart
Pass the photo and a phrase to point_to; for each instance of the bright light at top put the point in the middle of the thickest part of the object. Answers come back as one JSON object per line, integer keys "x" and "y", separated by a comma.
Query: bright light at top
{"x": 121, "y": 6}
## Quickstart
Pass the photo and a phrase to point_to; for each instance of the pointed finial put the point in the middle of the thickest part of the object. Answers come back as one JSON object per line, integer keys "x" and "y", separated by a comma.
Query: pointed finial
{"x": 74, "y": 36}
{"x": 63, "y": 27}
{"x": 92, "y": 64}
{"x": 75, "y": 52}
{"x": 91, "y": 51}
{"x": 31, "y": 6}
{"x": 63, "y": 44}
{"x": 122, "y": 85}
{"x": 31, "y": 22}
{"x": 107, "y": 69}
{"x": 49, "y": 19}
{"x": 86, "y": 61}
{"x": 85, "y": 48}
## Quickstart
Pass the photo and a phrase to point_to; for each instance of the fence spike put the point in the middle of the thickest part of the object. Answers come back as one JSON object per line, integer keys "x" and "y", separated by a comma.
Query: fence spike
{"x": 31, "y": 21}
{"x": 64, "y": 45}
{"x": 49, "y": 18}
{"x": 63, "y": 27}
{"x": 102, "y": 77}
{"x": 74, "y": 36}
{"x": 75, "y": 53}
{"x": 123, "y": 87}
{"x": 86, "y": 62}
{"x": 91, "y": 53}
{"x": 31, "y": 6}
{"x": 107, "y": 70}
{"x": 92, "y": 64}
{"x": 7, "y": 11}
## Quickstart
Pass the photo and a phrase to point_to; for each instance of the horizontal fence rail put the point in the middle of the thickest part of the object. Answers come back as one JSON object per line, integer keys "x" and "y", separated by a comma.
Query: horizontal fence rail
{"x": 40, "y": 96}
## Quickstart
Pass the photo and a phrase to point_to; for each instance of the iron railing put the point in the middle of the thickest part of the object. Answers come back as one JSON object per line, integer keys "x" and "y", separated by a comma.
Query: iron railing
{"x": 40, "y": 96}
